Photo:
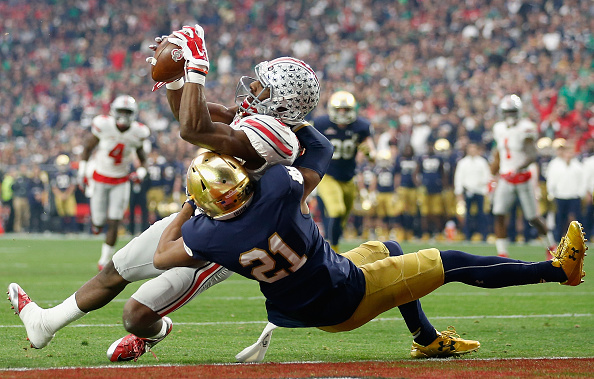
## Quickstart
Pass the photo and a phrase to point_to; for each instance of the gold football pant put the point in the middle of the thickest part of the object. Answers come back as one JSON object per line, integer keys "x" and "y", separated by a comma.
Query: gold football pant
{"x": 391, "y": 281}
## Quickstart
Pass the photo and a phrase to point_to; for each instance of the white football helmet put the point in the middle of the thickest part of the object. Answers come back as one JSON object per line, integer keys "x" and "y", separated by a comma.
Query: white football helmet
{"x": 219, "y": 185}
{"x": 510, "y": 107}
{"x": 342, "y": 108}
{"x": 124, "y": 109}
{"x": 294, "y": 90}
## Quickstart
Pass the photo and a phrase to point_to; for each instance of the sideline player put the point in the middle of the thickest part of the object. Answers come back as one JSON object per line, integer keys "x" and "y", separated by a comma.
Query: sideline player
{"x": 306, "y": 284}
{"x": 116, "y": 136}
{"x": 515, "y": 151}
{"x": 257, "y": 130}
{"x": 348, "y": 133}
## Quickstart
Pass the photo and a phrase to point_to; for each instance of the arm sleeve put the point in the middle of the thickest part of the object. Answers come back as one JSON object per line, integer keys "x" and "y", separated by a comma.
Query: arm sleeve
{"x": 318, "y": 150}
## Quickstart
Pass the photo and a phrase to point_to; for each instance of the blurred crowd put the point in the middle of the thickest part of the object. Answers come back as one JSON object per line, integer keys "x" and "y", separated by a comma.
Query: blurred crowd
{"x": 421, "y": 71}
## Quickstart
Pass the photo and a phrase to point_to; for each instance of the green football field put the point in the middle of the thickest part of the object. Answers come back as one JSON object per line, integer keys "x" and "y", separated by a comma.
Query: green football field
{"x": 545, "y": 320}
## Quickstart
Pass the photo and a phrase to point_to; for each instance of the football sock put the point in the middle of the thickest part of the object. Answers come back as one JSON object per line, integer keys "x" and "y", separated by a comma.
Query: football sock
{"x": 415, "y": 319}
{"x": 106, "y": 253}
{"x": 496, "y": 272}
{"x": 550, "y": 240}
{"x": 57, "y": 317}
{"x": 501, "y": 245}
{"x": 162, "y": 333}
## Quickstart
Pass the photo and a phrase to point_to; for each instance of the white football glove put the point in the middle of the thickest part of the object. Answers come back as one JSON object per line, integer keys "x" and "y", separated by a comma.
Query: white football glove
{"x": 191, "y": 41}
{"x": 257, "y": 351}
{"x": 81, "y": 175}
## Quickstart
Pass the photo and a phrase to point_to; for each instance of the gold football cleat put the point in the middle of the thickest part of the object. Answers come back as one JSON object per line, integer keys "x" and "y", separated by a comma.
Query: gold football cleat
{"x": 447, "y": 344}
{"x": 570, "y": 254}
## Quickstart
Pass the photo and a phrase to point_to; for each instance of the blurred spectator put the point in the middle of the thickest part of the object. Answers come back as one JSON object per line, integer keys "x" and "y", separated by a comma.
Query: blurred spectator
{"x": 566, "y": 183}
{"x": 7, "y": 200}
{"x": 20, "y": 191}
{"x": 471, "y": 179}
{"x": 38, "y": 200}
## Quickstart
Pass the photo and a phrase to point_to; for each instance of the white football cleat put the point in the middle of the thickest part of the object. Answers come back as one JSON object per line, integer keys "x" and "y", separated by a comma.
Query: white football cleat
{"x": 257, "y": 351}
{"x": 31, "y": 316}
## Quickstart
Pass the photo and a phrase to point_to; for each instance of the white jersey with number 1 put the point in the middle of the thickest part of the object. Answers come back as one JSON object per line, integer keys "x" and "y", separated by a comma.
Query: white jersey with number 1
{"x": 510, "y": 143}
{"x": 113, "y": 155}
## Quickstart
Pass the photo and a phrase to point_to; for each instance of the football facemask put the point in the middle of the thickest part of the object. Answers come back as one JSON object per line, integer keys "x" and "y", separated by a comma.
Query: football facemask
{"x": 294, "y": 90}
{"x": 124, "y": 109}
{"x": 342, "y": 108}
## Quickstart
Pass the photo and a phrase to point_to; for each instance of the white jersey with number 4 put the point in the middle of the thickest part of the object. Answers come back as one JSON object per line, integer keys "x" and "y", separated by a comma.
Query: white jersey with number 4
{"x": 113, "y": 155}
{"x": 510, "y": 143}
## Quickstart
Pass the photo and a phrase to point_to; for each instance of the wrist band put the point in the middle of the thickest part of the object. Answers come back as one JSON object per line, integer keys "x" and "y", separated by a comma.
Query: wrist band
{"x": 175, "y": 85}
{"x": 194, "y": 75}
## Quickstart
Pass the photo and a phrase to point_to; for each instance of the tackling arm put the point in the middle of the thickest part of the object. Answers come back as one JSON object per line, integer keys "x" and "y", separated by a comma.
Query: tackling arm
{"x": 314, "y": 162}
{"x": 170, "y": 250}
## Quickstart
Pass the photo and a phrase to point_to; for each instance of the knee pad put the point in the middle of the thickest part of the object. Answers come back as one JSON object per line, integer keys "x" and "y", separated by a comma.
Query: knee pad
{"x": 367, "y": 252}
{"x": 394, "y": 248}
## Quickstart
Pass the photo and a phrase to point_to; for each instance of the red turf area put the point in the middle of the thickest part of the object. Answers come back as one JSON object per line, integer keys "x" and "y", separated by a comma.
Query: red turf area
{"x": 500, "y": 368}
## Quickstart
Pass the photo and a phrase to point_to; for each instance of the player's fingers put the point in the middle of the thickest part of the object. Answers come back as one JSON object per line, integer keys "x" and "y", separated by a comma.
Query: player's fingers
{"x": 188, "y": 30}
{"x": 199, "y": 31}
{"x": 151, "y": 60}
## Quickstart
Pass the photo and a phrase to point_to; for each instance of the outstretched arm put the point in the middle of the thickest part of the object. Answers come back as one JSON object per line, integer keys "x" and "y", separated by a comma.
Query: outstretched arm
{"x": 196, "y": 124}
{"x": 218, "y": 112}
{"x": 170, "y": 250}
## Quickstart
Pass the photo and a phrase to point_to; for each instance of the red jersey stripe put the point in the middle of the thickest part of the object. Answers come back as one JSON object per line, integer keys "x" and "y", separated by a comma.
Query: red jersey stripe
{"x": 203, "y": 277}
{"x": 274, "y": 139}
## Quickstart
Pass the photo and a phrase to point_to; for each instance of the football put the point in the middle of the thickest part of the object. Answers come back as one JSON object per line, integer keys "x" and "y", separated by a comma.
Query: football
{"x": 168, "y": 62}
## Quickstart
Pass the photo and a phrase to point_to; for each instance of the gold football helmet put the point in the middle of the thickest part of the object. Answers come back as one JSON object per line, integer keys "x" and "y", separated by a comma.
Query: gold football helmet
{"x": 342, "y": 108}
{"x": 219, "y": 185}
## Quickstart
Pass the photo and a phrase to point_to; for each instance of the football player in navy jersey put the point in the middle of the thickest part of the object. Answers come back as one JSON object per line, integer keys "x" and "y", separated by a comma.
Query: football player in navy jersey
{"x": 264, "y": 232}
{"x": 348, "y": 133}
{"x": 430, "y": 170}
{"x": 63, "y": 185}
{"x": 406, "y": 183}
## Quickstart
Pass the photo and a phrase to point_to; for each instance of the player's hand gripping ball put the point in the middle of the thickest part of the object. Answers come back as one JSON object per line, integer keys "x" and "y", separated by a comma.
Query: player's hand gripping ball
{"x": 168, "y": 62}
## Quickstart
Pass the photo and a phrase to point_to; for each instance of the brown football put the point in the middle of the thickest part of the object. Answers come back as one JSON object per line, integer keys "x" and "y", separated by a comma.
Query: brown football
{"x": 168, "y": 63}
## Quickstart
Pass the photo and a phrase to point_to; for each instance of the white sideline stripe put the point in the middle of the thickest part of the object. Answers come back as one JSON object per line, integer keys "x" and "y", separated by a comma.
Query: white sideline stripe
{"x": 260, "y": 297}
{"x": 135, "y": 366}
{"x": 562, "y": 315}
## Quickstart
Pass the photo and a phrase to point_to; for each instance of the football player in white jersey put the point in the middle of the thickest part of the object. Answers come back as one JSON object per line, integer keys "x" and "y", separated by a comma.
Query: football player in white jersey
{"x": 115, "y": 138}
{"x": 257, "y": 130}
{"x": 515, "y": 152}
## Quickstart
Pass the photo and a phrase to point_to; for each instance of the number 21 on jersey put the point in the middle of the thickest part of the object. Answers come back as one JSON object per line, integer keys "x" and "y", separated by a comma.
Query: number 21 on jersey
{"x": 277, "y": 248}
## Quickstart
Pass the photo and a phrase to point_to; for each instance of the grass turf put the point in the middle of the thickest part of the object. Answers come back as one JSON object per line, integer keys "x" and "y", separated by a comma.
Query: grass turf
{"x": 546, "y": 320}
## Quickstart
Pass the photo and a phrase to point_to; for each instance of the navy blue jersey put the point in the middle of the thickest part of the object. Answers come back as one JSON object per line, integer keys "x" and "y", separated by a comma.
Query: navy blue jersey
{"x": 345, "y": 141}
{"x": 543, "y": 164}
{"x": 385, "y": 178}
{"x": 431, "y": 170}
{"x": 366, "y": 174}
{"x": 406, "y": 167}
{"x": 62, "y": 180}
{"x": 305, "y": 283}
